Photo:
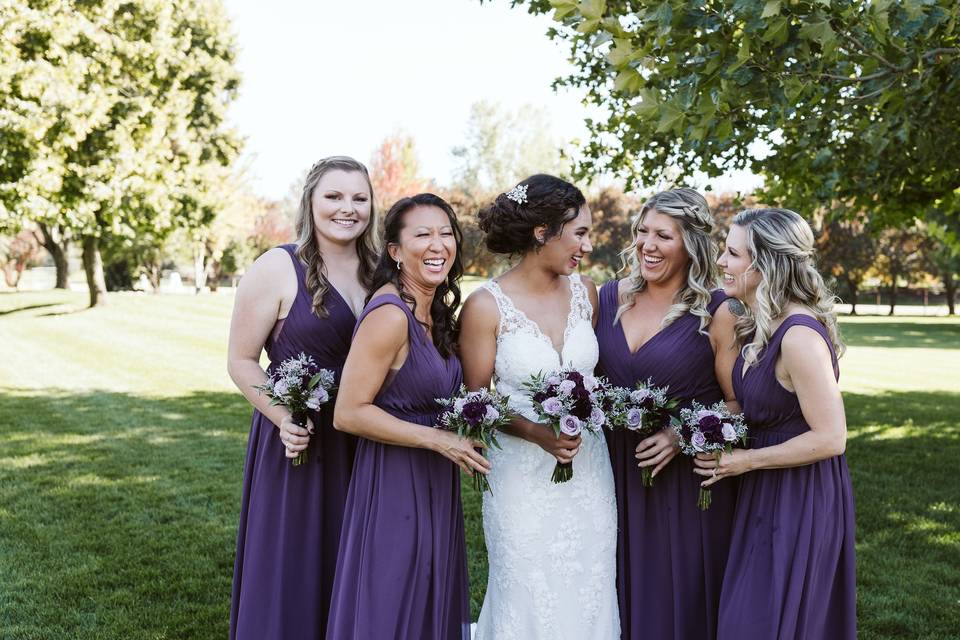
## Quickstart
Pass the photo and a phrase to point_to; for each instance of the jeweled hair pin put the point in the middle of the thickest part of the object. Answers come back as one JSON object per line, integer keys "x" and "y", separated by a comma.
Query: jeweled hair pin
{"x": 518, "y": 194}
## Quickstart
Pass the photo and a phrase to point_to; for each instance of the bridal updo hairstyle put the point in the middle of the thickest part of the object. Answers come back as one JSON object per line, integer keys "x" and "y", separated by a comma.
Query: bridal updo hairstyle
{"x": 446, "y": 298}
{"x": 549, "y": 201}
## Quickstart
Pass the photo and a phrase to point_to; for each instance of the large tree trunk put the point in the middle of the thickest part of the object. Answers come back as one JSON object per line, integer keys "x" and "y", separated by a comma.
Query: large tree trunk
{"x": 93, "y": 266}
{"x": 56, "y": 242}
{"x": 951, "y": 290}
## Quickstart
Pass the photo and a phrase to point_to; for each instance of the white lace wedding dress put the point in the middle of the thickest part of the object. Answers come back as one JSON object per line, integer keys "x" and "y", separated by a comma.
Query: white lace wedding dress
{"x": 551, "y": 547}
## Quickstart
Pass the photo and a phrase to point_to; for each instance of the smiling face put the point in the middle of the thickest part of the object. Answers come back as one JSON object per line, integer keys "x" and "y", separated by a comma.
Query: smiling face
{"x": 427, "y": 246}
{"x": 564, "y": 251}
{"x": 740, "y": 279}
{"x": 660, "y": 250}
{"x": 341, "y": 204}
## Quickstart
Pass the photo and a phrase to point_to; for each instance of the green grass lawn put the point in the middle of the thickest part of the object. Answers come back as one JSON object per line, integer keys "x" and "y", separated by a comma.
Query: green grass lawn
{"x": 122, "y": 442}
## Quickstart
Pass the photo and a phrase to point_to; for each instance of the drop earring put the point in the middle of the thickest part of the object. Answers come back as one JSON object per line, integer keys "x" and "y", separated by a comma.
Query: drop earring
{"x": 398, "y": 265}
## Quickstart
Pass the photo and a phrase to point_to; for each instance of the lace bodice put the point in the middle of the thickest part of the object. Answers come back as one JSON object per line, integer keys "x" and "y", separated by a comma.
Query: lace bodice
{"x": 524, "y": 350}
{"x": 529, "y": 522}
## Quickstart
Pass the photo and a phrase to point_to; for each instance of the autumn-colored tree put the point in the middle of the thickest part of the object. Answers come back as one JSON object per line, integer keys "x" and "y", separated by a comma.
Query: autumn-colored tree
{"x": 847, "y": 251}
{"x": 395, "y": 170}
{"x": 613, "y": 212}
{"x": 16, "y": 254}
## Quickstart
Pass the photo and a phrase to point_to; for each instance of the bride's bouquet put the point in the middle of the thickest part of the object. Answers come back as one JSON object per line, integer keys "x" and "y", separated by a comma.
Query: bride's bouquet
{"x": 709, "y": 430}
{"x": 569, "y": 402}
{"x": 476, "y": 415}
{"x": 301, "y": 386}
{"x": 644, "y": 410}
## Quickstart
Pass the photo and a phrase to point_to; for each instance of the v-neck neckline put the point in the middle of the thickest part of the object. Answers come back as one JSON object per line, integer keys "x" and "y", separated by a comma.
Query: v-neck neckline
{"x": 536, "y": 327}
{"x": 343, "y": 300}
{"x": 623, "y": 330}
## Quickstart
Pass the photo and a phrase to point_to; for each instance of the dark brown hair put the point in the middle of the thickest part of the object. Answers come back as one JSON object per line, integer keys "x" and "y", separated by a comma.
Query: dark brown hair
{"x": 446, "y": 299}
{"x": 548, "y": 201}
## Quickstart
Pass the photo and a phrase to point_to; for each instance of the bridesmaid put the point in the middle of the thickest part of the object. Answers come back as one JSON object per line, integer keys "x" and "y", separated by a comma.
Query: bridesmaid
{"x": 791, "y": 569}
{"x": 663, "y": 322}
{"x": 402, "y": 568}
{"x": 298, "y": 298}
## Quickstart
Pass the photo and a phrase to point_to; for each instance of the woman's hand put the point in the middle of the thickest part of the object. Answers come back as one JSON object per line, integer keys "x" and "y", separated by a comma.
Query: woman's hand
{"x": 729, "y": 464}
{"x": 462, "y": 452}
{"x": 657, "y": 450}
{"x": 563, "y": 448}
{"x": 294, "y": 437}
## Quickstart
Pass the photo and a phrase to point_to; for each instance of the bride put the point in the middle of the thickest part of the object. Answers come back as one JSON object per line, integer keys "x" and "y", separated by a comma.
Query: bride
{"x": 551, "y": 547}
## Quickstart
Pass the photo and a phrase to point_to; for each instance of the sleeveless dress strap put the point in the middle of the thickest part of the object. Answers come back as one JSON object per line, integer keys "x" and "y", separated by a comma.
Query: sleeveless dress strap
{"x": 298, "y": 266}
{"x": 395, "y": 300}
{"x": 717, "y": 297}
{"x": 510, "y": 318}
{"x": 809, "y": 322}
{"x": 580, "y": 299}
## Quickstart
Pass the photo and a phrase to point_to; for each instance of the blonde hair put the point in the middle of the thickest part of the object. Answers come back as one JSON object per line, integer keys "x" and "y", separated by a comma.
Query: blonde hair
{"x": 308, "y": 249}
{"x": 692, "y": 213}
{"x": 781, "y": 246}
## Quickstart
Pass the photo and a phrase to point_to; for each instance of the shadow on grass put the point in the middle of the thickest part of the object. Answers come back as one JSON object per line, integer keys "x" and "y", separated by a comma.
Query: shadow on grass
{"x": 902, "y": 452}
{"x": 123, "y": 506}
{"x": 865, "y": 333}
{"x": 30, "y": 307}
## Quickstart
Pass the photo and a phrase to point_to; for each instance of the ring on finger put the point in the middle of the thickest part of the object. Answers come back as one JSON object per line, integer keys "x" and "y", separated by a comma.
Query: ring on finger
{"x": 714, "y": 472}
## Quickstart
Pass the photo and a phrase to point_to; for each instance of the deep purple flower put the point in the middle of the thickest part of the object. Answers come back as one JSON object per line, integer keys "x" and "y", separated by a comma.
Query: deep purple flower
{"x": 474, "y": 412}
{"x": 576, "y": 376}
{"x": 712, "y": 427}
{"x": 540, "y": 396}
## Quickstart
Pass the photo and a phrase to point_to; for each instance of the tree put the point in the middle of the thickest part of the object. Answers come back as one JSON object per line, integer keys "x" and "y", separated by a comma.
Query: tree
{"x": 113, "y": 119}
{"x": 847, "y": 251}
{"x": 395, "y": 171}
{"x": 613, "y": 213}
{"x": 901, "y": 253}
{"x": 850, "y": 102}
{"x": 944, "y": 258}
{"x": 16, "y": 254}
{"x": 503, "y": 147}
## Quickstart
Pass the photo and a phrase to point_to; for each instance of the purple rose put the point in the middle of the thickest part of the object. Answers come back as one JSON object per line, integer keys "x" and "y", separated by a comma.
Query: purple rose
{"x": 281, "y": 388}
{"x": 552, "y": 406}
{"x": 570, "y": 425}
{"x": 553, "y": 380}
{"x": 589, "y": 383}
{"x": 640, "y": 395}
{"x": 698, "y": 441}
{"x": 492, "y": 414}
{"x": 317, "y": 397}
{"x": 729, "y": 433}
{"x": 634, "y": 418}
{"x": 582, "y": 407}
{"x": 474, "y": 412}
{"x": 567, "y": 386}
{"x": 597, "y": 418}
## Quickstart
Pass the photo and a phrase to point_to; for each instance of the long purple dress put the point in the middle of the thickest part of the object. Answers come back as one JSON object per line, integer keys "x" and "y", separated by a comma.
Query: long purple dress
{"x": 791, "y": 572}
{"x": 402, "y": 569}
{"x": 670, "y": 554}
{"x": 290, "y": 517}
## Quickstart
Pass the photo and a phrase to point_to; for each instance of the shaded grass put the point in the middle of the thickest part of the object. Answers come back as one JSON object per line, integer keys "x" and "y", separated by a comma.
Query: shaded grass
{"x": 122, "y": 444}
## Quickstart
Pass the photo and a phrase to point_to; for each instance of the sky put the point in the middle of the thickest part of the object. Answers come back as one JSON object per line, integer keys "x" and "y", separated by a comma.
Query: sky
{"x": 336, "y": 77}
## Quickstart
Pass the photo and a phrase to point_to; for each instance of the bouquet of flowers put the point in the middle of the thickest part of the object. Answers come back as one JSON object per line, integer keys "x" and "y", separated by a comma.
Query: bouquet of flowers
{"x": 301, "y": 386}
{"x": 569, "y": 402}
{"x": 709, "y": 430}
{"x": 476, "y": 415}
{"x": 644, "y": 410}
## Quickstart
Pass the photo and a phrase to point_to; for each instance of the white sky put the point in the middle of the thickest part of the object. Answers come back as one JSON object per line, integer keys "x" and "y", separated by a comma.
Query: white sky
{"x": 326, "y": 77}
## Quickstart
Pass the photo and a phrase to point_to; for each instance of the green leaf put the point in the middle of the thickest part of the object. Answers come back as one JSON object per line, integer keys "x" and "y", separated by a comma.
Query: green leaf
{"x": 777, "y": 31}
{"x": 588, "y": 26}
{"x": 820, "y": 32}
{"x": 621, "y": 53}
{"x": 649, "y": 103}
{"x": 724, "y": 130}
{"x": 743, "y": 53}
{"x": 670, "y": 118}
{"x": 592, "y": 9}
{"x": 628, "y": 81}
{"x": 770, "y": 9}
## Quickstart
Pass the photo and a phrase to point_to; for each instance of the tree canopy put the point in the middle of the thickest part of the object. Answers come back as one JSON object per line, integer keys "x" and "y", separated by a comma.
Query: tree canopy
{"x": 112, "y": 115}
{"x": 844, "y": 101}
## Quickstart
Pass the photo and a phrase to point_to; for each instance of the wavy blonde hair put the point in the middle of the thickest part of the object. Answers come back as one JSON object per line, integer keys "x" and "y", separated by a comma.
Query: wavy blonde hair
{"x": 308, "y": 249}
{"x": 692, "y": 213}
{"x": 781, "y": 246}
